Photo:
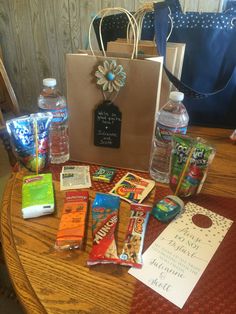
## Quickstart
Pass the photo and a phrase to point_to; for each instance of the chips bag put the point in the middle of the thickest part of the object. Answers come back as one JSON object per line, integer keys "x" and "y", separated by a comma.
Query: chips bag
{"x": 105, "y": 217}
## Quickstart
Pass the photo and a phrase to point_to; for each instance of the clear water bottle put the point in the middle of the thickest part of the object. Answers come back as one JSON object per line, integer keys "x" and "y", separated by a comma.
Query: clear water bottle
{"x": 172, "y": 118}
{"x": 50, "y": 99}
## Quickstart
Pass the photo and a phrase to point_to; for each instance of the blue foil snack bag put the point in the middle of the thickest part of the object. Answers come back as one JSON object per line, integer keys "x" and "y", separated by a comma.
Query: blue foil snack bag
{"x": 29, "y": 137}
{"x": 105, "y": 217}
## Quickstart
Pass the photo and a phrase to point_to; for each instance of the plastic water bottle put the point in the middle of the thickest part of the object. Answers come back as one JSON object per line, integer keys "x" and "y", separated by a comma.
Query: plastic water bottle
{"x": 172, "y": 118}
{"x": 50, "y": 99}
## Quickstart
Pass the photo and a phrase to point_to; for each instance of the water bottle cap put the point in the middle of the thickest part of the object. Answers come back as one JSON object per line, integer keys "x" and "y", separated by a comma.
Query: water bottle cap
{"x": 176, "y": 96}
{"x": 49, "y": 82}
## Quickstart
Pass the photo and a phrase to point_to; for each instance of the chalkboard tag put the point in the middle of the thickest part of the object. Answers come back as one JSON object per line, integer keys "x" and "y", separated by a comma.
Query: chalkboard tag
{"x": 107, "y": 125}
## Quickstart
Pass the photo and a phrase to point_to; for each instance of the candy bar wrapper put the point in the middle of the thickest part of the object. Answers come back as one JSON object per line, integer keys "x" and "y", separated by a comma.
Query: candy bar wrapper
{"x": 104, "y": 216}
{"x": 71, "y": 230}
{"x": 104, "y": 174}
{"x": 190, "y": 160}
{"x": 132, "y": 251}
{"x": 133, "y": 188}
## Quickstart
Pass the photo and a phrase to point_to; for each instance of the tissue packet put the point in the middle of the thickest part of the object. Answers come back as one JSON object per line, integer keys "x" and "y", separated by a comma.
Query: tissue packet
{"x": 37, "y": 195}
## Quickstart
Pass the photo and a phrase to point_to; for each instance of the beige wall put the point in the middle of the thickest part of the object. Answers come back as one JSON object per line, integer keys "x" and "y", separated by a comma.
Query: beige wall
{"x": 35, "y": 35}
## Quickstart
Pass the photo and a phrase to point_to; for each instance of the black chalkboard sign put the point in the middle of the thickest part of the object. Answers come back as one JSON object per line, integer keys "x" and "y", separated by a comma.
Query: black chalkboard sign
{"x": 107, "y": 125}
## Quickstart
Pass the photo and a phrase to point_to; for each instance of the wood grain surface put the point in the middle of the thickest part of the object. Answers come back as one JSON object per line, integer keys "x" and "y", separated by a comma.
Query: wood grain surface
{"x": 49, "y": 282}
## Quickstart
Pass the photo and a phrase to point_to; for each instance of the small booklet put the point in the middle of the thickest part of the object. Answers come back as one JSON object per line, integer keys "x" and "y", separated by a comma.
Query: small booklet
{"x": 133, "y": 188}
{"x": 37, "y": 195}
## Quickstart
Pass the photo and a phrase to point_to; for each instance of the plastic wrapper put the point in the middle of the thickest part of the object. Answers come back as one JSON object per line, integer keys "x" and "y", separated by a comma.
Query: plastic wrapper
{"x": 132, "y": 251}
{"x": 104, "y": 174}
{"x": 71, "y": 230}
{"x": 190, "y": 160}
{"x": 30, "y": 139}
{"x": 37, "y": 195}
{"x": 105, "y": 217}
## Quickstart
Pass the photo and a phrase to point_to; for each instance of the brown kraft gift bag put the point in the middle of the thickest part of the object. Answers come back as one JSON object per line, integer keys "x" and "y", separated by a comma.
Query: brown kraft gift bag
{"x": 174, "y": 51}
{"x": 138, "y": 102}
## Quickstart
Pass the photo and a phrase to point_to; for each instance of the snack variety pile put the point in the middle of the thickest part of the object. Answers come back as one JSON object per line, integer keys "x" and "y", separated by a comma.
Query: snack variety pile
{"x": 190, "y": 159}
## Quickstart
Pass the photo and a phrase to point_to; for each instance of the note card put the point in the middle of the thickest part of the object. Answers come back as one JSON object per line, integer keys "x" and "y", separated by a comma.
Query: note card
{"x": 175, "y": 261}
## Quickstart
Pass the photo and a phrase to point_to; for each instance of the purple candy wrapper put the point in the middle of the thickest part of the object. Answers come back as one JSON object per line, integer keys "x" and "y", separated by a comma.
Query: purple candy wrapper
{"x": 23, "y": 131}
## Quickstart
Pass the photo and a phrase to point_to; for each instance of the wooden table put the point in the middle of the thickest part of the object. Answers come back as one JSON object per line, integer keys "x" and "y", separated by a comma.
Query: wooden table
{"x": 48, "y": 282}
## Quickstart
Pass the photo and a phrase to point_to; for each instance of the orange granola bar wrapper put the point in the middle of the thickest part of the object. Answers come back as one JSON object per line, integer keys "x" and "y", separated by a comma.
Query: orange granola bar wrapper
{"x": 71, "y": 230}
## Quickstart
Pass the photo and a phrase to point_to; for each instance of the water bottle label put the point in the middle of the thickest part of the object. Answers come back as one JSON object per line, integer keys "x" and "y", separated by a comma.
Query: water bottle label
{"x": 59, "y": 115}
{"x": 163, "y": 133}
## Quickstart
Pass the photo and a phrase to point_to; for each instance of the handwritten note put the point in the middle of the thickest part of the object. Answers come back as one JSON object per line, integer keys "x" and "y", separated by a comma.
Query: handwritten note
{"x": 176, "y": 260}
{"x": 107, "y": 125}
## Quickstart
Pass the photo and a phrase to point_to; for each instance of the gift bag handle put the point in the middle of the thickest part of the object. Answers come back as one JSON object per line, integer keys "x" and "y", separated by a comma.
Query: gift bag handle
{"x": 132, "y": 22}
{"x": 161, "y": 31}
{"x": 139, "y": 15}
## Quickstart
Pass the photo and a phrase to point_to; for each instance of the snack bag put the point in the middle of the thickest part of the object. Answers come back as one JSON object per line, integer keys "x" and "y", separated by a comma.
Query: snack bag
{"x": 132, "y": 251}
{"x": 105, "y": 216}
{"x": 71, "y": 230}
{"x": 190, "y": 159}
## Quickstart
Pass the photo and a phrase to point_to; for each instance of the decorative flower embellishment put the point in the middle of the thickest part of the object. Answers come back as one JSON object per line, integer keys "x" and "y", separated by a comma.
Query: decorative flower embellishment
{"x": 110, "y": 76}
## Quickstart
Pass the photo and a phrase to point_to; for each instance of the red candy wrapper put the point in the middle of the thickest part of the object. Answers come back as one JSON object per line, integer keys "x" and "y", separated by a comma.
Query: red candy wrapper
{"x": 132, "y": 251}
{"x": 105, "y": 217}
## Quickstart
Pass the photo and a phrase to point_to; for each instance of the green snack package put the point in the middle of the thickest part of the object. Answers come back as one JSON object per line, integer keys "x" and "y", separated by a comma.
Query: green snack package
{"x": 190, "y": 159}
{"x": 104, "y": 174}
{"x": 37, "y": 195}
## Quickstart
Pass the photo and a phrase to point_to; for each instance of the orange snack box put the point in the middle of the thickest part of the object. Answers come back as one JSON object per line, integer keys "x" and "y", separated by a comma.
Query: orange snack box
{"x": 71, "y": 230}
